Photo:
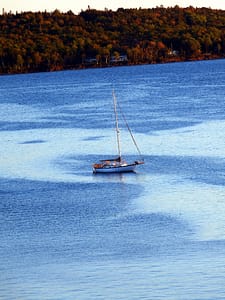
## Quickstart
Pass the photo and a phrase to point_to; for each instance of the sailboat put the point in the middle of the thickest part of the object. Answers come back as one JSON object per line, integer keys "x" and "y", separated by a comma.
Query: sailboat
{"x": 118, "y": 164}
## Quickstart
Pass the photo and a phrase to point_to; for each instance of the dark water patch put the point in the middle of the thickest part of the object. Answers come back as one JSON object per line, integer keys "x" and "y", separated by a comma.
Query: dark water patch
{"x": 83, "y": 119}
{"x": 96, "y": 118}
{"x": 33, "y": 142}
{"x": 144, "y": 234}
{"x": 12, "y": 126}
{"x": 93, "y": 138}
{"x": 201, "y": 169}
{"x": 157, "y": 125}
{"x": 57, "y": 122}
{"x": 85, "y": 221}
{"x": 66, "y": 218}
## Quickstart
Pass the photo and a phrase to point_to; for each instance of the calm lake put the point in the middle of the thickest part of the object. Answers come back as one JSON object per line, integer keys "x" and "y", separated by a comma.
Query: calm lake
{"x": 159, "y": 233}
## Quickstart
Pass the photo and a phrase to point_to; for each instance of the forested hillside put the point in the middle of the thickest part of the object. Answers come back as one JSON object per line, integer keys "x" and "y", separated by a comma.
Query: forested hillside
{"x": 33, "y": 42}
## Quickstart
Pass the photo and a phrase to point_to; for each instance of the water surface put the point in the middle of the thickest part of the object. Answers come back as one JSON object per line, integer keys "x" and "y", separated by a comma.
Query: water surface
{"x": 156, "y": 234}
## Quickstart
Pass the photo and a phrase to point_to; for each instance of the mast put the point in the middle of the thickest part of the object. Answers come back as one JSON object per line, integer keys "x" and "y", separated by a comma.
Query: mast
{"x": 117, "y": 127}
{"x": 131, "y": 134}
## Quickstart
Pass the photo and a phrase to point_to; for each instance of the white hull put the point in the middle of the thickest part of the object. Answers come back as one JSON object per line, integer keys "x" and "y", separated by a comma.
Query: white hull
{"x": 115, "y": 169}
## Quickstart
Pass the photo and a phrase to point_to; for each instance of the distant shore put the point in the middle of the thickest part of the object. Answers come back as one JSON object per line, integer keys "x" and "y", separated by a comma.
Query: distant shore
{"x": 85, "y": 67}
{"x": 45, "y": 42}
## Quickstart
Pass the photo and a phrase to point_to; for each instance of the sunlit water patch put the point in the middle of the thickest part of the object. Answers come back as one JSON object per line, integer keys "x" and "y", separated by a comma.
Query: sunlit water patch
{"x": 200, "y": 205}
{"x": 25, "y": 153}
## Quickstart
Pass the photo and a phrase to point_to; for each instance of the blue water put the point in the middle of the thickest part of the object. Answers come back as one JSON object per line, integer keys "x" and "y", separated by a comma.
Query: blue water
{"x": 156, "y": 234}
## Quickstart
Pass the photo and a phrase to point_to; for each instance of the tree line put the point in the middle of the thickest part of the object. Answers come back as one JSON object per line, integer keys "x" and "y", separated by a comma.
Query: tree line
{"x": 44, "y": 41}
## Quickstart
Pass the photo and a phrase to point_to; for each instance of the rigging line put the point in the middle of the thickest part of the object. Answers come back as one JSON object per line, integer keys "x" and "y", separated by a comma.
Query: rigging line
{"x": 116, "y": 121}
{"x": 129, "y": 130}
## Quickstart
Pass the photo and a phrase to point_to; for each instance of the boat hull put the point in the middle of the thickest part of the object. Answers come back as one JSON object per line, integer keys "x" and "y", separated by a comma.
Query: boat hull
{"x": 115, "y": 169}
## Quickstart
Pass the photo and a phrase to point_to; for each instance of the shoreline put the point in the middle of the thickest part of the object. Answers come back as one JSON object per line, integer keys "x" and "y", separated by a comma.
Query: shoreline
{"x": 114, "y": 65}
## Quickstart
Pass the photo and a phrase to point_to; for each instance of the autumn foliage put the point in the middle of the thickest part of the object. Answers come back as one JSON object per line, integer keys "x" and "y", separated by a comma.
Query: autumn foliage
{"x": 42, "y": 41}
